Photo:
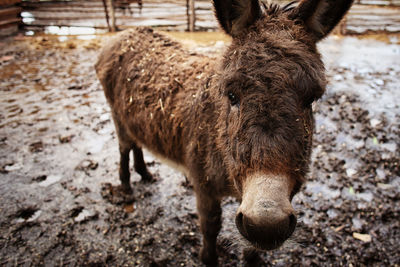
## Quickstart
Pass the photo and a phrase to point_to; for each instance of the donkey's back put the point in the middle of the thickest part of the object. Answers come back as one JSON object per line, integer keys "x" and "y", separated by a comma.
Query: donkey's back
{"x": 145, "y": 61}
{"x": 151, "y": 84}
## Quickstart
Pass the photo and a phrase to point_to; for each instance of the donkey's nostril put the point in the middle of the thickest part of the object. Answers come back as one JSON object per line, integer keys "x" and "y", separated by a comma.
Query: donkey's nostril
{"x": 239, "y": 222}
{"x": 239, "y": 218}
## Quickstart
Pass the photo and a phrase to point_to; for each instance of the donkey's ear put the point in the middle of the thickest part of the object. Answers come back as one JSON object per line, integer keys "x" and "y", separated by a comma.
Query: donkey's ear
{"x": 235, "y": 16}
{"x": 321, "y": 16}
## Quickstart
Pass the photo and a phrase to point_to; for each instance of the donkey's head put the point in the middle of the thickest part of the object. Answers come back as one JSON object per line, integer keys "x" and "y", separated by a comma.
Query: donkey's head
{"x": 270, "y": 76}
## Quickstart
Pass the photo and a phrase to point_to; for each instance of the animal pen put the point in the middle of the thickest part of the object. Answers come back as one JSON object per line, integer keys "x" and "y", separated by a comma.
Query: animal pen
{"x": 60, "y": 193}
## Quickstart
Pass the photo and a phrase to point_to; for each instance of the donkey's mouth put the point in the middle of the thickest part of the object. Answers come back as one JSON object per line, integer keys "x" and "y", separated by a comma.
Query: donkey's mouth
{"x": 265, "y": 238}
{"x": 270, "y": 242}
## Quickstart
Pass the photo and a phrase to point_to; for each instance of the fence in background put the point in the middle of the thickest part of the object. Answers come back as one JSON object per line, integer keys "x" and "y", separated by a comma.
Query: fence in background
{"x": 9, "y": 17}
{"x": 90, "y": 13}
{"x": 379, "y": 2}
{"x": 365, "y": 16}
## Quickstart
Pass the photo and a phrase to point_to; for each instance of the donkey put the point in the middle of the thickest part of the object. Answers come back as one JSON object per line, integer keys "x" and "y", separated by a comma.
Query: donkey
{"x": 126, "y": 4}
{"x": 240, "y": 126}
{"x": 121, "y": 4}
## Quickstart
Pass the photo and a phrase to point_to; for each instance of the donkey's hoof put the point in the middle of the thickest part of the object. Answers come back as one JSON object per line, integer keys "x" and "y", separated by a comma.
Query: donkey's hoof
{"x": 116, "y": 194}
{"x": 208, "y": 258}
{"x": 253, "y": 260}
{"x": 126, "y": 189}
{"x": 147, "y": 177}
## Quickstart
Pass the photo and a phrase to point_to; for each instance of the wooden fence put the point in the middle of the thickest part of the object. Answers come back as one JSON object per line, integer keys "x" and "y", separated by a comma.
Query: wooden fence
{"x": 379, "y": 2}
{"x": 90, "y": 13}
{"x": 373, "y": 19}
{"x": 9, "y": 16}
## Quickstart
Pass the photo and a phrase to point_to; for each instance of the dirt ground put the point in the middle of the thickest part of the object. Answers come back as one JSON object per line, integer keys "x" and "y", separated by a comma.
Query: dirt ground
{"x": 59, "y": 167}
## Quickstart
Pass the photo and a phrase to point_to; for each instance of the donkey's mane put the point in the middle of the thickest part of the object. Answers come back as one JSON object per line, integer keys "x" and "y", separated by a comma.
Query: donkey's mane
{"x": 275, "y": 9}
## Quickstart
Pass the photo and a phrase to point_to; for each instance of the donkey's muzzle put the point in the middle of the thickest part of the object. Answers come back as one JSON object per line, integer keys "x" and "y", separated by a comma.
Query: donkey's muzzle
{"x": 265, "y": 216}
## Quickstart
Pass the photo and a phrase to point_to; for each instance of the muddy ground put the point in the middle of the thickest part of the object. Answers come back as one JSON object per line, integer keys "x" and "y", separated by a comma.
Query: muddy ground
{"x": 59, "y": 168}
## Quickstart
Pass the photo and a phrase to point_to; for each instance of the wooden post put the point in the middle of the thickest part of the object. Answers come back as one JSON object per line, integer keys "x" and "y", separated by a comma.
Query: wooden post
{"x": 192, "y": 16}
{"x": 107, "y": 18}
{"x": 343, "y": 26}
{"x": 187, "y": 15}
{"x": 110, "y": 3}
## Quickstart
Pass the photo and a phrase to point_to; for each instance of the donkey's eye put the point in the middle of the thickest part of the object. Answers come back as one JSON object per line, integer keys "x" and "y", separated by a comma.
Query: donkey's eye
{"x": 233, "y": 98}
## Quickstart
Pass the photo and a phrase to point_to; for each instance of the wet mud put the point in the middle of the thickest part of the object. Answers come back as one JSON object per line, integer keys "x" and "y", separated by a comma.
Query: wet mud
{"x": 59, "y": 196}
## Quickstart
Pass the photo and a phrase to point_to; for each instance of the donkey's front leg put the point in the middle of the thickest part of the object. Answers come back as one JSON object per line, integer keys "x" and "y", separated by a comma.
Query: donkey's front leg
{"x": 209, "y": 210}
{"x": 124, "y": 173}
{"x": 252, "y": 258}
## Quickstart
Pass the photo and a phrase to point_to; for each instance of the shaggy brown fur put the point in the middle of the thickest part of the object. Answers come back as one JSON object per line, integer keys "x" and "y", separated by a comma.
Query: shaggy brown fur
{"x": 222, "y": 122}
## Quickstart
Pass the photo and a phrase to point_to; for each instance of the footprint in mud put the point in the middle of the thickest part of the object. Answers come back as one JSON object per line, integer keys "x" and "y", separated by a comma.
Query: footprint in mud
{"x": 27, "y": 214}
{"x": 39, "y": 178}
{"x": 115, "y": 194}
{"x": 47, "y": 180}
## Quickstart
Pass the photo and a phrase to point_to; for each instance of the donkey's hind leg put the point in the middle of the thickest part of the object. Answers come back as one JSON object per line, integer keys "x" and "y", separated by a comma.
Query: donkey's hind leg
{"x": 125, "y": 147}
{"x": 124, "y": 173}
{"x": 140, "y": 165}
{"x": 126, "y": 144}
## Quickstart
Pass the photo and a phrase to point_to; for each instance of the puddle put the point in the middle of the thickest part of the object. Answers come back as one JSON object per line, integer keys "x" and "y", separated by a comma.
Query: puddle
{"x": 50, "y": 180}
{"x": 366, "y": 196}
{"x": 332, "y": 213}
{"x": 13, "y": 167}
{"x": 57, "y": 30}
{"x": 321, "y": 190}
{"x": 27, "y": 17}
{"x": 35, "y": 216}
{"x": 360, "y": 67}
{"x": 202, "y": 38}
{"x": 85, "y": 215}
{"x": 65, "y": 33}
{"x": 95, "y": 144}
